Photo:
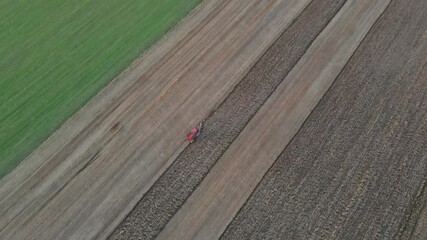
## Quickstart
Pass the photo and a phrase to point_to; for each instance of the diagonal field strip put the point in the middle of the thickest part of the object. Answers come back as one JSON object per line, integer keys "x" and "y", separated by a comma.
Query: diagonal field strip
{"x": 80, "y": 187}
{"x": 172, "y": 189}
{"x": 215, "y": 202}
{"x": 420, "y": 231}
{"x": 355, "y": 169}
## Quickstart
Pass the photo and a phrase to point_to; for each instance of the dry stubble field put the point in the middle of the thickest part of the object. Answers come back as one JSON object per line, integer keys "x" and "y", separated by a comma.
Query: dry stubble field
{"x": 330, "y": 175}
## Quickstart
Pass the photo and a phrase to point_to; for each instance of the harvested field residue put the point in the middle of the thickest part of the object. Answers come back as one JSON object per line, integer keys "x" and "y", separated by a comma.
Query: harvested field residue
{"x": 356, "y": 167}
{"x": 222, "y": 127}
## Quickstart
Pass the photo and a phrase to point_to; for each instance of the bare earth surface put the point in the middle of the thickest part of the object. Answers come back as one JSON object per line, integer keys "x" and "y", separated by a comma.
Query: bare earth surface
{"x": 355, "y": 169}
{"x": 415, "y": 226}
{"x": 169, "y": 193}
{"x": 85, "y": 179}
{"x": 216, "y": 201}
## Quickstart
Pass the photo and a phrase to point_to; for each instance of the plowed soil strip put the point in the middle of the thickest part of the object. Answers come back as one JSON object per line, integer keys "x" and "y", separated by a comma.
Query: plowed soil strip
{"x": 216, "y": 201}
{"x": 169, "y": 193}
{"x": 358, "y": 166}
{"x": 420, "y": 231}
{"x": 417, "y": 229}
{"x": 82, "y": 188}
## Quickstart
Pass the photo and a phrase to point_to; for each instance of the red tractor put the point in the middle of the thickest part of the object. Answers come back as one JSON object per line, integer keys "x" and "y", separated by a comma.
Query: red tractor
{"x": 195, "y": 132}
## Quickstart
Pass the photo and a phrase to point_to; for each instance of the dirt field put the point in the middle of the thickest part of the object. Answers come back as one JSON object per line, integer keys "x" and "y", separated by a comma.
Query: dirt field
{"x": 355, "y": 168}
{"x": 214, "y": 203}
{"x": 416, "y": 220}
{"x": 265, "y": 216}
{"x": 169, "y": 193}
{"x": 85, "y": 179}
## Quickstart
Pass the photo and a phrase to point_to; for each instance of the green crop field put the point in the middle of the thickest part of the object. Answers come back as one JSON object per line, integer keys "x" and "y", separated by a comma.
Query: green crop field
{"x": 57, "y": 54}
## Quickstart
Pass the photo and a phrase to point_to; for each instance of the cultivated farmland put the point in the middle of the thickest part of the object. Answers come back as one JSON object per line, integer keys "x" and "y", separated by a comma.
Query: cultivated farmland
{"x": 55, "y": 55}
{"x": 314, "y": 127}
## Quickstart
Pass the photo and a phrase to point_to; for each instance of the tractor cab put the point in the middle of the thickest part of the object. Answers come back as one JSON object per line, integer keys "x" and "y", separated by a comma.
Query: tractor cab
{"x": 194, "y": 133}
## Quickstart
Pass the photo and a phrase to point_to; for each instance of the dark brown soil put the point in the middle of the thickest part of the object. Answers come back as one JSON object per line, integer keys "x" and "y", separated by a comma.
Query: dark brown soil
{"x": 358, "y": 166}
{"x": 222, "y": 127}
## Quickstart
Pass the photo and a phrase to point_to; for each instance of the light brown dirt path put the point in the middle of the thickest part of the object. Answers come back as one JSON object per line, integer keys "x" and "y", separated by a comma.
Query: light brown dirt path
{"x": 215, "y": 202}
{"x": 86, "y": 177}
